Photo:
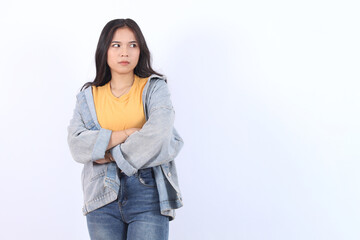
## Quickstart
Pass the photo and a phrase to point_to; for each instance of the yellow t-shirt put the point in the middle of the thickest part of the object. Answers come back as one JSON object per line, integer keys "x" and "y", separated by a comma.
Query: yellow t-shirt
{"x": 121, "y": 113}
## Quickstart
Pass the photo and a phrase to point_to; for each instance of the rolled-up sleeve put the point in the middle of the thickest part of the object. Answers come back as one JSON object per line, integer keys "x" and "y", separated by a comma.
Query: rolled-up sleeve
{"x": 86, "y": 145}
{"x": 152, "y": 144}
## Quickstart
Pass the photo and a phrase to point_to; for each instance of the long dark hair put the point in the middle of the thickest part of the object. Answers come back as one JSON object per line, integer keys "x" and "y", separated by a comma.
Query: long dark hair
{"x": 103, "y": 75}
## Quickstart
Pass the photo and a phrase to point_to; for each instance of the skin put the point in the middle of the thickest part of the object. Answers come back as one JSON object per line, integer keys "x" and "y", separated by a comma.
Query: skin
{"x": 123, "y": 47}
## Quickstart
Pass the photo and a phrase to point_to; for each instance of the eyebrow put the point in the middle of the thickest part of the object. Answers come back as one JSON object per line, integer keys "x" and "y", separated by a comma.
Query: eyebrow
{"x": 120, "y": 42}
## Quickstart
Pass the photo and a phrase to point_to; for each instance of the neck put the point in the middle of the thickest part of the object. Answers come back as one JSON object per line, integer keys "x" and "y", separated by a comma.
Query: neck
{"x": 120, "y": 81}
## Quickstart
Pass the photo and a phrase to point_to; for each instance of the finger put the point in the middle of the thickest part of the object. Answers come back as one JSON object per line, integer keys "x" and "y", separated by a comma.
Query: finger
{"x": 101, "y": 161}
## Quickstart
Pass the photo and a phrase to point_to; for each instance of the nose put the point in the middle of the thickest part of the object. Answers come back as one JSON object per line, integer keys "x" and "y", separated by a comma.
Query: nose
{"x": 123, "y": 52}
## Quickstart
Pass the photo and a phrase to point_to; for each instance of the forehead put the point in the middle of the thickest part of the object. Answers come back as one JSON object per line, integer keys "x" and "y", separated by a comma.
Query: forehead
{"x": 124, "y": 34}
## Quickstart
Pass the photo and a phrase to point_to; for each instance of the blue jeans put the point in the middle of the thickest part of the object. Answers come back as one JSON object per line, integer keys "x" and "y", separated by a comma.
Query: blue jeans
{"x": 135, "y": 214}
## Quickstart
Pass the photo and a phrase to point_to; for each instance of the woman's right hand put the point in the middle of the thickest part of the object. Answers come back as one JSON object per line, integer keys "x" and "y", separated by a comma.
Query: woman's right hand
{"x": 118, "y": 137}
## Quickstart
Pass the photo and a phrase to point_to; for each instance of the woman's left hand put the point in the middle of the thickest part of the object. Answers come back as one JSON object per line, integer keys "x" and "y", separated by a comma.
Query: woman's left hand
{"x": 108, "y": 158}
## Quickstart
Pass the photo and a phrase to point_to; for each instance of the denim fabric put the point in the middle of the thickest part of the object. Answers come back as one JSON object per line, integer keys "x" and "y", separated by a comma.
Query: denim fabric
{"x": 134, "y": 215}
{"x": 155, "y": 145}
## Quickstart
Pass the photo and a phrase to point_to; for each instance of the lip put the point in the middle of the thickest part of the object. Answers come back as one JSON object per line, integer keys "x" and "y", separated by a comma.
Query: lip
{"x": 124, "y": 62}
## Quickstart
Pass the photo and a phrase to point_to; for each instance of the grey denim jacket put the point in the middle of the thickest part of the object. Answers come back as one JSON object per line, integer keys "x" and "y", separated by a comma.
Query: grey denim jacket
{"x": 155, "y": 145}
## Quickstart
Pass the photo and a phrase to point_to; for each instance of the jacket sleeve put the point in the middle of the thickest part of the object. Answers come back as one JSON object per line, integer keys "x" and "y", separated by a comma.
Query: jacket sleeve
{"x": 155, "y": 143}
{"x": 86, "y": 144}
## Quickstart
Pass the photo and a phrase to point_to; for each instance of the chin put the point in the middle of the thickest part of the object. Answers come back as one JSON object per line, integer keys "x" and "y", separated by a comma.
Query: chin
{"x": 122, "y": 71}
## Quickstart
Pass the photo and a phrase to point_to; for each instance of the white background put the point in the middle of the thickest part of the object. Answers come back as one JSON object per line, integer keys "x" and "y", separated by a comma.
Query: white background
{"x": 267, "y": 101}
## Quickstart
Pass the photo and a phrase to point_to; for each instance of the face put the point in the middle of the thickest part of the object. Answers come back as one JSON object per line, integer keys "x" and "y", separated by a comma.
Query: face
{"x": 123, "y": 53}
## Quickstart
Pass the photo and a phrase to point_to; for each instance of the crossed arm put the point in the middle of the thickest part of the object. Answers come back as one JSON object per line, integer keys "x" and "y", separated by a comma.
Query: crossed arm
{"x": 92, "y": 145}
{"x": 152, "y": 145}
{"x": 117, "y": 137}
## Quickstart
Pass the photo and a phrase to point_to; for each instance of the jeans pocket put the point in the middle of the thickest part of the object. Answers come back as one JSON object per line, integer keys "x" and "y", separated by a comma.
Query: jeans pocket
{"x": 146, "y": 177}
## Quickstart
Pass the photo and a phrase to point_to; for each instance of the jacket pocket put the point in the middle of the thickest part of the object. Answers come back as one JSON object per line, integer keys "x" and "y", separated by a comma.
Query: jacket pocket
{"x": 169, "y": 170}
{"x": 98, "y": 170}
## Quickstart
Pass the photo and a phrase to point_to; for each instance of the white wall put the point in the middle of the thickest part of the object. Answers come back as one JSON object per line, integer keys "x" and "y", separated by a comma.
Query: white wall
{"x": 266, "y": 96}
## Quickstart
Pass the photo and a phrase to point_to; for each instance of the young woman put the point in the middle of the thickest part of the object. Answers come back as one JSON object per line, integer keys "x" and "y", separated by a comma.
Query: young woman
{"x": 122, "y": 131}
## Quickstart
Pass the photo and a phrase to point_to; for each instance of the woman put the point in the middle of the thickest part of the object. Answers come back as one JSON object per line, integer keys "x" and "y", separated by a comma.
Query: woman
{"x": 122, "y": 131}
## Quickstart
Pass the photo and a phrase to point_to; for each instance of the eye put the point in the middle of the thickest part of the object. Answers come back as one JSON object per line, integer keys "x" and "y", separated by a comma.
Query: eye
{"x": 133, "y": 45}
{"x": 116, "y": 45}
